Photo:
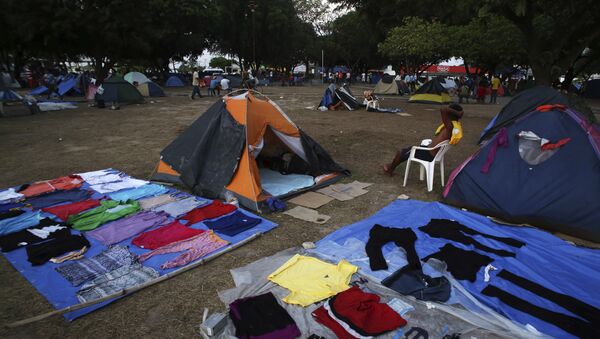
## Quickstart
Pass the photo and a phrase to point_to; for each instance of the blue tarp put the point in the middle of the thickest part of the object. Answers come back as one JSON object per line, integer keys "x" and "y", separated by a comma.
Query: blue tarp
{"x": 59, "y": 292}
{"x": 69, "y": 83}
{"x": 544, "y": 259}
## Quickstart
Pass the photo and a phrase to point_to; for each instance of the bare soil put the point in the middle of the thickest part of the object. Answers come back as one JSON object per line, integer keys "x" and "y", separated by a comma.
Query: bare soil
{"x": 52, "y": 144}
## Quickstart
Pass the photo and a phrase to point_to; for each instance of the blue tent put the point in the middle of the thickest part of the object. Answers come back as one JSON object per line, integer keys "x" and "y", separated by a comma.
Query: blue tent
{"x": 541, "y": 168}
{"x": 174, "y": 81}
{"x": 38, "y": 90}
{"x": 67, "y": 84}
{"x": 329, "y": 96}
{"x": 524, "y": 102}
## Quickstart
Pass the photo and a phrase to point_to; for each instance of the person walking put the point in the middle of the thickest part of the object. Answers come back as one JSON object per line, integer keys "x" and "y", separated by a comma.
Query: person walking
{"x": 195, "y": 84}
{"x": 495, "y": 85}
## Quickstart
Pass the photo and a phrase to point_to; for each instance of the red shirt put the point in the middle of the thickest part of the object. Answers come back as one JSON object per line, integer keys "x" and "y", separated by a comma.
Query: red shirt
{"x": 210, "y": 211}
{"x": 43, "y": 187}
{"x": 64, "y": 211}
{"x": 165, "y": 235}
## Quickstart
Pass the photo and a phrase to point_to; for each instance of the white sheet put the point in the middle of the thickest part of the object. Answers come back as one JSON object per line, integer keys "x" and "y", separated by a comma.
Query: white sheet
{"x": 278, "y": 184}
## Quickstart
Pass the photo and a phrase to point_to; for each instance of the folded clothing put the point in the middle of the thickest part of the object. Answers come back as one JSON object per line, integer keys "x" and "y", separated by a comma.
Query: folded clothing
{"x": 159, "y": 200}
{"x": 9, "y": 196}
{"x": 39, "y": 254}
{"x": 115, "y": 281}
{"x": 81, "y": 271}
{"x": 57, "y": 197}
{"x": 165, "y": 235}
{"x": 463, "y": 264}
{"x": 108, "y": 210}
{"x": 45, "y": 230}
{"x": 210, "y": 211}
{"x": 233, "y": 224}
{"x": 11, "y": 214}
{"x": 64, "y": 211}
{"x": 407, "y": 281}
{"x": 124, "y": 183}
{"x": 181, "y": 207}
{"x": 261, "y": 317}
{"x": 356, "y": 314}
{"x": 20, "y": 222}
{"x": 7, "y": 207}
{"x": 119, "y": 230}
{"x": 138, "y": 192}
{"x": 42, "y": 187}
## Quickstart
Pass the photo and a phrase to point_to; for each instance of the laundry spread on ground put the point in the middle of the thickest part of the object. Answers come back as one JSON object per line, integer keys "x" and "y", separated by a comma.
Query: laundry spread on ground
{"x": 310, "y": 280}
{"x": 88, "y": 236}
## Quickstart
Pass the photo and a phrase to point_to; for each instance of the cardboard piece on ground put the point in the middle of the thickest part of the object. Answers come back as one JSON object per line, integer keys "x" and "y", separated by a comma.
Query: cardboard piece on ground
{"x": 329, "y": 191}
{"x": 353, "y": 189}
{"x": 307, "y": 214}
{"x": 404, "y": 114}
{"x": 311, "y": 200}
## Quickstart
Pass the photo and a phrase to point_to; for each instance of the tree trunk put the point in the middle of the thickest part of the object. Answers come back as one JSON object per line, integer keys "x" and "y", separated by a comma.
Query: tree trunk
{"x": 542, "y": 73}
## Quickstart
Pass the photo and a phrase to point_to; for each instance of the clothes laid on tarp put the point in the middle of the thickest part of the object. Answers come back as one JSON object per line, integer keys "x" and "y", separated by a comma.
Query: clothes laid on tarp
{"x": 571, "y": 324}
{"x": 452, "y": 230}
{"x": 181, "y": 207}
{"x": 165, "y": 235}
{"x": 159, "y": 200}
{"x": 39, "y": 254}
{"x": 463, "y": 264}
{"x": 87, "y": 269}
{"x": 310, "y": 280}
{"x": 138, "y": 193}
{"x": 64, "y": 211}
{"x": 126, "y": 182}
{"x": 413, "y": 282}
{"x": 42, "y": 187}
{"x": 100, "y": 177}
{"x": 195, "y": 248}
{"x": 210, "y": 211}
{"x": 45, "y": 230}
{"x": 574, "y": 305}
{"x": 124, "y": 228}
{"x": 233, "y": 224}
{"x": 57, "y": 197}
{"x": 108, "y": 210}
{"x": 9, "y": 206}
{"x": 20, "y": 222}
{"x": 261, "y": 317}
{"x": 112, "y": 282}
{"x": 10, "y": 195}
{"x": 402, "y": 237}
{"x": 357, "y": 314}
{"x": 10, "y": 214}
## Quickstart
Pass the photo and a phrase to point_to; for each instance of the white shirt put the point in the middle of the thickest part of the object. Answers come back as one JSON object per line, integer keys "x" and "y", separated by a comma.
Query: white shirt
{"x": 195, "y": 81}
{"x": 225, "y": 83}
{"x": 126, "y": 182}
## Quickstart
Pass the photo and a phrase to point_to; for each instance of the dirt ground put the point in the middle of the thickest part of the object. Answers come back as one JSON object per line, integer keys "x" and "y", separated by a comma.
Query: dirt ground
{"x": 53, "y": 144}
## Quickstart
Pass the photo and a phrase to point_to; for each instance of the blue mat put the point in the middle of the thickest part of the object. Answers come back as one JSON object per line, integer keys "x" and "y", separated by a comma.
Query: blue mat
{"x": 544, "y": 259}
{"x": 59, "y": 292}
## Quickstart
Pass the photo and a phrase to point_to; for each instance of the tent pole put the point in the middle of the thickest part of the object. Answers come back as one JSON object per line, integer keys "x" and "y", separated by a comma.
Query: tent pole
{"x": 128, "y": 291}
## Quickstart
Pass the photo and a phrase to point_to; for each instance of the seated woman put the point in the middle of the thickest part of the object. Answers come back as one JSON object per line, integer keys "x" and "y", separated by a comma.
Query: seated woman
{"x": 454, "y": 112}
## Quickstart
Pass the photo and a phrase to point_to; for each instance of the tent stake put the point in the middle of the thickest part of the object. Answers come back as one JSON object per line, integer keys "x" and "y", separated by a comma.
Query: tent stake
{"x": 128, "y": 291}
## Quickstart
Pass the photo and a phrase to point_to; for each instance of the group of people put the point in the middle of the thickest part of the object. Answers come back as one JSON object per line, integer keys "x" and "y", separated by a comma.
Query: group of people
{"x": 214, "y": 86}
{"x": 477, "y": 88}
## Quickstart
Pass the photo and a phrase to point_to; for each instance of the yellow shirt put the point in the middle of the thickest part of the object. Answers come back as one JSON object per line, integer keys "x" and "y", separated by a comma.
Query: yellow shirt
{"x": 311, "y": 280}
{"x": 495, "y": 83}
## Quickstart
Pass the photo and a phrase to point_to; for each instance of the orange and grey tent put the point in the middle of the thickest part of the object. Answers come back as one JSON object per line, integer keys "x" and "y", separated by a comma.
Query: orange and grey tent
{"x": 223, "y": 150}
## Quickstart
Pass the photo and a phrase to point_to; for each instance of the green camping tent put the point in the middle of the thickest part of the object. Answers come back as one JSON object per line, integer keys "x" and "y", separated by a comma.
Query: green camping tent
{"x": 116, "y": 89}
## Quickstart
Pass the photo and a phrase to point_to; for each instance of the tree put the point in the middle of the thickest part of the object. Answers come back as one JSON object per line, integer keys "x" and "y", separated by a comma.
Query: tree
{"x": 220, "y": 62}
{"x": 417, "y": 44}
{"x": 554, "y": 32}
{"x": 489, "y": 43}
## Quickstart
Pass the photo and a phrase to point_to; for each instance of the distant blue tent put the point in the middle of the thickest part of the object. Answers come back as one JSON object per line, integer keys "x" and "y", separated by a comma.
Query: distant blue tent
{"x": 342, "y": 69}
{"x": 539, "y": 168}
{"x": 67, "y": 84}
{"x": 329, "y": 96}
{"x": 150, "y": 89}
{"x": 39, "y": 90}
{"x": 174, "y": 81}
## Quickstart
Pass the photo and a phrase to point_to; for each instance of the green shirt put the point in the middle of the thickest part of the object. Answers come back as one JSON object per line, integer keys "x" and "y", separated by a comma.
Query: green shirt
{"x": 108, "y": 210}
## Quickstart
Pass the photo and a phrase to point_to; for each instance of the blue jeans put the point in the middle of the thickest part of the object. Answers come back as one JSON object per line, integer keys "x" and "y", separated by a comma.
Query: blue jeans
{"x": 196, "y": 90}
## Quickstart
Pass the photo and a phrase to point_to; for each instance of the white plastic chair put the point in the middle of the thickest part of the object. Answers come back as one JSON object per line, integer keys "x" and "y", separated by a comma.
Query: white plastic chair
{"x": 428, "y": 167}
